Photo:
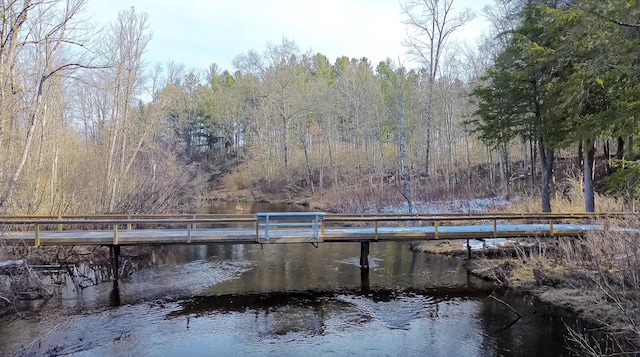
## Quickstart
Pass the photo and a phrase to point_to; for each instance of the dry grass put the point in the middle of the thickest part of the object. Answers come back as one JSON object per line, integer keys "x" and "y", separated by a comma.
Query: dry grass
{"x": 597, "y": 276}
{"x": 569, "y": 200}
{"x": 444, "y": 247}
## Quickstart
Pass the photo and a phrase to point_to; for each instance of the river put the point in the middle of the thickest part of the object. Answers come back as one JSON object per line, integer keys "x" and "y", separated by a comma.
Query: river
{"x": 289, "y": 300}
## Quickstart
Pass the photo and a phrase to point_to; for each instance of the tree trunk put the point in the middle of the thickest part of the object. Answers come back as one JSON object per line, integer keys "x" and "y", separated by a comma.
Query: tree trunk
{"x": 427, "y": 150}
{"x": 533, "y": 153}
{"x": 580, "y": 157}
{"x": 469, "y": 169}
{"x": 405, "y": 166}
{"x": 305, "y": 147}
{"x": 35, "y": 202}
{"x": 620, "y": 149}
{"x": 589, "y": 155}
{"x": 27, "y": 146}
{"x": 284, "y": 142}
{"x": 501, "y": 165}
{"x": 607, "y": 156}
{"x": 504, "y": 160}
{"x": 547, "y": 159}
{"x": 491, "y": 175}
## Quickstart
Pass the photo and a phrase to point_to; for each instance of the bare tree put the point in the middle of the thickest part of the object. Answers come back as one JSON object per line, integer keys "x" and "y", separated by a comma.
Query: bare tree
{"x": 395, "y": 84}
{"x": 431, "y": 24}
{"x": 126, "y": 42}
{"x": 285, "y": 77}
{"x": 40, "y": 40}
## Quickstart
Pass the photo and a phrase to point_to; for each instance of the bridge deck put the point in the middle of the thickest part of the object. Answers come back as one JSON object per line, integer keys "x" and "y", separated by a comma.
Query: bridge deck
{"x": 248, "y": 236}
{"x": 287, "y": 228}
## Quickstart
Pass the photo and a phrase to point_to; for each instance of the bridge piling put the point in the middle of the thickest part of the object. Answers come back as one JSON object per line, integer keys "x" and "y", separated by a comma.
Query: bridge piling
{"x": 364, "y": 255}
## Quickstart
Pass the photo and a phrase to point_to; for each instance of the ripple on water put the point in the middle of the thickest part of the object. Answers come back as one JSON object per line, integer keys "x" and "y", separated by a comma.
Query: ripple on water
{"x": 394, "y": 314}
{"x": 355, "y": 261}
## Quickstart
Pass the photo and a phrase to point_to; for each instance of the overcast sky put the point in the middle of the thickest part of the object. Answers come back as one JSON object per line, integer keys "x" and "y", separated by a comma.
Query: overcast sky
{"x": 200, "y": 32}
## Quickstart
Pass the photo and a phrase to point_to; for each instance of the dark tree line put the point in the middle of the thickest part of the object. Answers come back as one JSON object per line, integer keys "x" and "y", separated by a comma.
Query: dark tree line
{"x": 567, "y": 77}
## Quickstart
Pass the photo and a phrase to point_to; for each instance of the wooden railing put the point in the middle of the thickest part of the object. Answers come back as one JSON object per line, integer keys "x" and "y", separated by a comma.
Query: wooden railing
{"x": 437, "y": 220}
{"x": 190, "y": 222}
{"x": 10, "y": 222}
{"x": 114, "y": 222}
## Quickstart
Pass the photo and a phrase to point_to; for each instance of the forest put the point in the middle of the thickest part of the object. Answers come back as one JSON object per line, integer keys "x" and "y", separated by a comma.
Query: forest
{"x": 549, "y": 94}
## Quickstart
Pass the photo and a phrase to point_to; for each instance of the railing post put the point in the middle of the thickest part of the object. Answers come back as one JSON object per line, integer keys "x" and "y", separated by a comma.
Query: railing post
{"x": 129, "y": 224}
{"x": 59, "y": 225}
{"x": 551, "y": 227}
{"x": 37, "y": 238}
{"x": 375, "y": 230}
{"x": 495, "y": 227}
{"x": 188, "y": 233}
{"x": 115, "y": 234}
{"x": 436, "y": 224}
{"x": 266, "y": 227}
{"x": 194, "y": 223}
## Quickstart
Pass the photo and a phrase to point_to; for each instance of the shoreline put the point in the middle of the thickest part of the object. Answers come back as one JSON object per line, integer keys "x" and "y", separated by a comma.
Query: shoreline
{"x": 597, "y": 309}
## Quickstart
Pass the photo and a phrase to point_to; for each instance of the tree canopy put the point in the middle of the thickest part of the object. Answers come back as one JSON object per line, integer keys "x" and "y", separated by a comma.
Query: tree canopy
{"x": 566, "y": 77}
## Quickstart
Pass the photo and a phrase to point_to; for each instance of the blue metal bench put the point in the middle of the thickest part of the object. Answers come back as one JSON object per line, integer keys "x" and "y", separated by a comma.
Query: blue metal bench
{"x": 284, "y": 220}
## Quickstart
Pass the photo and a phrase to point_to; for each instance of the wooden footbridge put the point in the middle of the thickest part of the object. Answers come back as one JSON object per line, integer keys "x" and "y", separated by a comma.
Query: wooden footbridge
{"x": 290, "y": 227}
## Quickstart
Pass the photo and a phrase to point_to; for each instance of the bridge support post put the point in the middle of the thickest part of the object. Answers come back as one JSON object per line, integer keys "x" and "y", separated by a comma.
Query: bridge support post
{"x": 115, "y": 261}
{"x": 364, "y": 255}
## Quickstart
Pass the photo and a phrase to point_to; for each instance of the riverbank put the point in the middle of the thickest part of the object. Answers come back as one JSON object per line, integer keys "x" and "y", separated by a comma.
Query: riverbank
{"x": 29, "y": 274}
{"x": 595, "y": 278}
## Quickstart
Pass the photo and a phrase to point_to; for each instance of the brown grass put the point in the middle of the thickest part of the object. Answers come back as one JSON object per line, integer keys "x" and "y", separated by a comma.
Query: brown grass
{"x": 597, "y": 276}
{"x": 568, "y": 199}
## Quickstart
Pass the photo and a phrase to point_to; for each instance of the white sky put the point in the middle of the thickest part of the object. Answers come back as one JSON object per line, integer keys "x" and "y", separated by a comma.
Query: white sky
{"x": 200, "y": 32}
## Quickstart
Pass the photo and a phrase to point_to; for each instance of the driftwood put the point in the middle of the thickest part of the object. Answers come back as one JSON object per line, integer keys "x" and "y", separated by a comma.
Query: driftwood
{"x": 510, "y": 308}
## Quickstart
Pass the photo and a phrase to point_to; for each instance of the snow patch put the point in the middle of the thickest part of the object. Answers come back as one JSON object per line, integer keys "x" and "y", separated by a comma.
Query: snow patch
{"x": 478, "y": 205}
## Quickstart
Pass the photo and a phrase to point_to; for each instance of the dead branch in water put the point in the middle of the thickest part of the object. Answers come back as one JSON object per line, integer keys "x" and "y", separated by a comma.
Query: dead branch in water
{"x": 505, "y": 304}
{"x": 510, "y": 308}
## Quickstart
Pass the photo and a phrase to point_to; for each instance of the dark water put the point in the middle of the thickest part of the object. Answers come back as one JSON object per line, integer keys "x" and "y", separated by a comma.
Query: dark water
{"x": 289, "y": 300}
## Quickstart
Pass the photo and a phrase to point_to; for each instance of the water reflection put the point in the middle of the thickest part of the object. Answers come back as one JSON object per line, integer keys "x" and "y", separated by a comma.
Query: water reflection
{"x": 364, "y": 280}
{"x": 290, "y": 300}
{"x": 396, "y": 313}
{"x": 114, "y": 295}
